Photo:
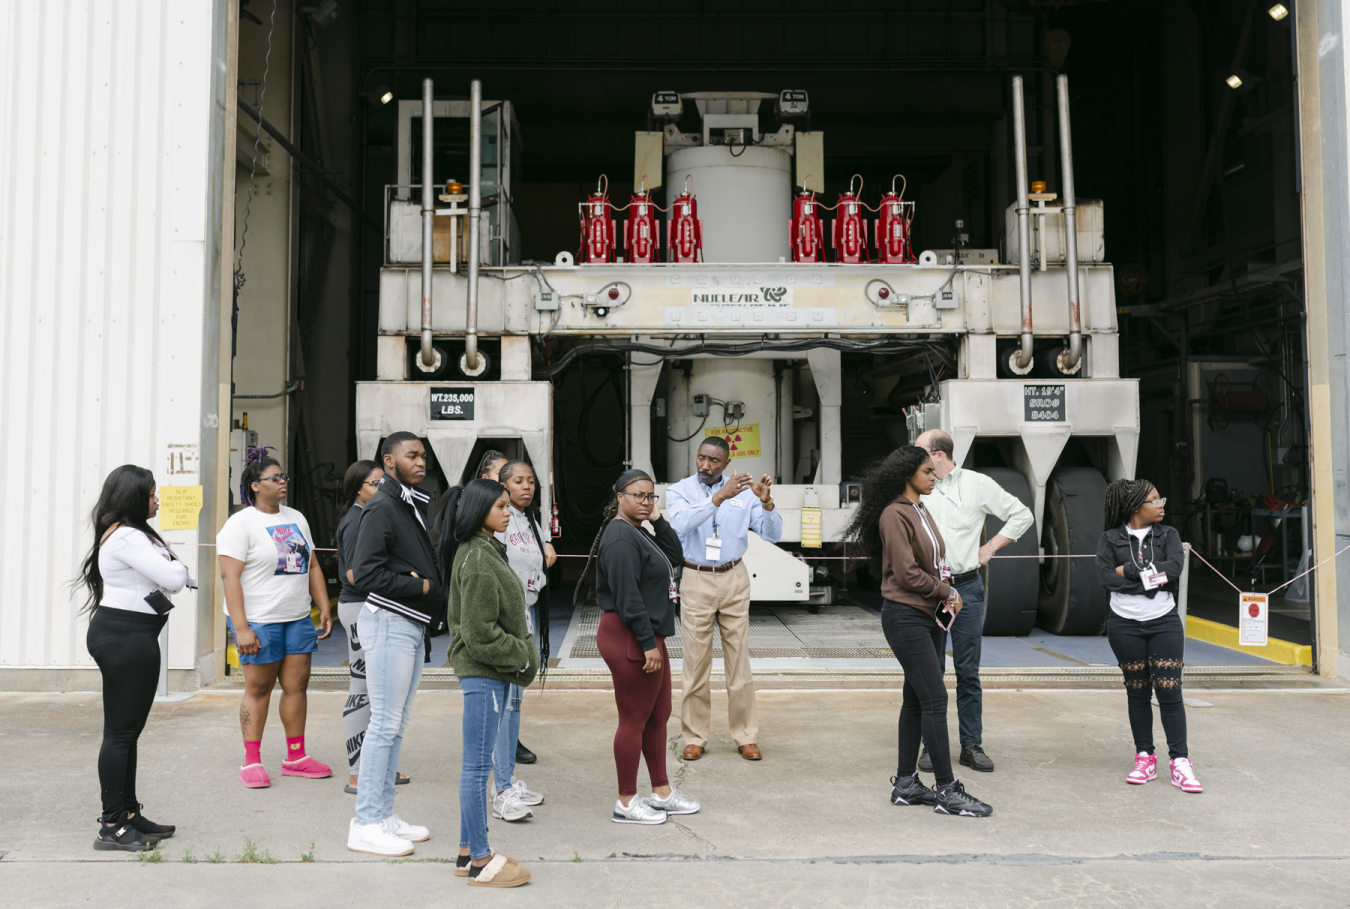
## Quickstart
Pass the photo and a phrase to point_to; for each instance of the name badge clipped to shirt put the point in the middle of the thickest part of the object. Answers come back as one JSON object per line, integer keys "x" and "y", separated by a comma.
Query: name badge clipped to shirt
{"x": 945, "y": 570}
{"x": 1152, "y": 578}
{"x": 737, "y": 502}
{"x": 712, "y": 549}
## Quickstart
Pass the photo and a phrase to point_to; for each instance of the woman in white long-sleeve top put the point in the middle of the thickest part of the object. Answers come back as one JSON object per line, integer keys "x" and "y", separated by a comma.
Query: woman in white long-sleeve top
{"x": 129, "y": 572}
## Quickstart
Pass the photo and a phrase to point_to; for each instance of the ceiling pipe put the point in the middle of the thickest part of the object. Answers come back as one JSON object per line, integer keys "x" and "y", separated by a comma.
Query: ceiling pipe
{"x": 1070, "y": 359}
{"x": 472, "y": 364}
{"x": 428, "y": 354}
{"x": 1021, "y": 358}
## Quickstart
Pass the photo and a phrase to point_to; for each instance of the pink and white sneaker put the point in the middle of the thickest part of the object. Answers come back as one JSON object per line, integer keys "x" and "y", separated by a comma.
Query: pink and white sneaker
{"x": 1145, "y": 769}
{"x": 254, "y": 776}
{"x": 1183, "y": 777}
{"x": 306, "y": 767}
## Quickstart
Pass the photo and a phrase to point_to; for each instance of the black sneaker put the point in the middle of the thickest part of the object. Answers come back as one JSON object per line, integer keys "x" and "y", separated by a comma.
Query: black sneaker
{"x": 925, "y": 760}
{"x": 150, "y": 831}
{"x": 119, "y": 838}
{"x": 525, "y": 755}
{"x": 953, "y": 799}
{"x": 910, "y": 790}
{"x": 975, "y": 758}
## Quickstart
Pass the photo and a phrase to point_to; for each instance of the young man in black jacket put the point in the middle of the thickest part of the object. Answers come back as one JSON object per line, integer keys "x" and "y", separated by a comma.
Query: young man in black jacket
{"x": 395, "y": 564}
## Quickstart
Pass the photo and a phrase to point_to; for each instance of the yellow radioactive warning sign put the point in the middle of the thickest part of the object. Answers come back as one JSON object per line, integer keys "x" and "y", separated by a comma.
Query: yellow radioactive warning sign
{"x": 744, "y": 440}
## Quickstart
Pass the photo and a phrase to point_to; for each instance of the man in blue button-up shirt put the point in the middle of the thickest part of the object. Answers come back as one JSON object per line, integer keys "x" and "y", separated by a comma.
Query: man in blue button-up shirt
{"x": 713, "y": 515}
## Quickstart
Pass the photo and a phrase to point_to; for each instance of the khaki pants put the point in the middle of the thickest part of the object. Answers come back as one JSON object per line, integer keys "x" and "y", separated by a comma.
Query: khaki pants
{"x": 722, "y": 597}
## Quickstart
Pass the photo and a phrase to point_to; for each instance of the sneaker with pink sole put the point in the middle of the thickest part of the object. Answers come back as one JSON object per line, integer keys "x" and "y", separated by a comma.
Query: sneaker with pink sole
{"x": 1145, "y": 769}
{"x": 1183, "y": 776}
{"x": 306, "y": 767}
{"x": 254, "y": 776}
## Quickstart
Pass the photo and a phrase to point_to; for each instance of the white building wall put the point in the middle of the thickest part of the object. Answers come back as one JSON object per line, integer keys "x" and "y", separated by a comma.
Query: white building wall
{"x": 104, "y": 124}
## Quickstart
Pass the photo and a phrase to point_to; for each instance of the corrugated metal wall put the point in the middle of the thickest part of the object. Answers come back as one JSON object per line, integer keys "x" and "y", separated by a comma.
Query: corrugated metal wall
{"x": 104, "y": 118}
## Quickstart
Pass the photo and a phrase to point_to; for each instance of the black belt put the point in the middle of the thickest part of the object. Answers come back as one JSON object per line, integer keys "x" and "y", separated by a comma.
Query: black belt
{"x": 725, "y": 566}
{"x": 966, "y": 577}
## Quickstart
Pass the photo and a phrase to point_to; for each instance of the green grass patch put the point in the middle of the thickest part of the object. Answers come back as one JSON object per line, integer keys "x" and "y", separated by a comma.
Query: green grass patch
{"x": 152, "y": 856}
{"x": 251, "y": 855}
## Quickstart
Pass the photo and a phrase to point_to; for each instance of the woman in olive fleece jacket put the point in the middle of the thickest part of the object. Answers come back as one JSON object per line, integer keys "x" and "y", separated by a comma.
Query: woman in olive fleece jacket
{"x": 491, "y": 649}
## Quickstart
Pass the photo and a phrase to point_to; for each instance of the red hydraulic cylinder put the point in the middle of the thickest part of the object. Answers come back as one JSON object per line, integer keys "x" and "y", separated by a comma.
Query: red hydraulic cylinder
{"x": 893, "y": 229}
{"x": 684, "y": 231}
{"x": 848, "y": 230}
{"x": 597, "y": 227}
{"x": 641, "y": 236}
{"x": 805, "y": 232}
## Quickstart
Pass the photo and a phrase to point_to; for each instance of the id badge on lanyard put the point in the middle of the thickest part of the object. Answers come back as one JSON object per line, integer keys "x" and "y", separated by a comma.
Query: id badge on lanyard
{"x": 944, "y": 569}
{"x": 1152, "y": 578}
{"x": 712, "y": 549}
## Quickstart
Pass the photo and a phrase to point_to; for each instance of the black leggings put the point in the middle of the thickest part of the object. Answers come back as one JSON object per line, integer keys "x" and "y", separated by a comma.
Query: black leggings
{"x": 1150, "y": 654}
{"x": 126, "y": 647}
{"x": 917, "y": 642}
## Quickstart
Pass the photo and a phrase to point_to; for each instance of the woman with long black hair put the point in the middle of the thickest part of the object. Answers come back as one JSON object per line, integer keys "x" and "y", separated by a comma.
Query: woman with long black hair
{"x": 635, "y": 587}
{"x": 896, "y": 533}
{"x": 1139, "y": 560}
{"x": 128, "y": 573}
{"x": 491, "y": 649}
{"x": 530, "y": 557}
{"x": 358, "y": 485}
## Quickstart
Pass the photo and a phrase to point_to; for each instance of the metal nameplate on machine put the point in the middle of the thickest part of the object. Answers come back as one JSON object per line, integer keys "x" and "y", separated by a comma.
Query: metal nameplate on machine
{"x": 1043, "y": 403}
{"x": 452, "y": 403}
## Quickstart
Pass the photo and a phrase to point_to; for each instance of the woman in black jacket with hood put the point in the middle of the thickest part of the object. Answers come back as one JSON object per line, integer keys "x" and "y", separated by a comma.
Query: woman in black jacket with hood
{"x": 1139, "y": 560}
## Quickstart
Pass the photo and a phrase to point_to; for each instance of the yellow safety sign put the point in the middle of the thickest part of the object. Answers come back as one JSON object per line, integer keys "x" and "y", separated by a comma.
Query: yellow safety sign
{"x": 743, "y": 440}
{"x": 179, "y": 506}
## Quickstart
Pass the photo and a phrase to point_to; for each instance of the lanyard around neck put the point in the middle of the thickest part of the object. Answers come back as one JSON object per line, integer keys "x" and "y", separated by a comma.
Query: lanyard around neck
{"x": 929, "y": 530}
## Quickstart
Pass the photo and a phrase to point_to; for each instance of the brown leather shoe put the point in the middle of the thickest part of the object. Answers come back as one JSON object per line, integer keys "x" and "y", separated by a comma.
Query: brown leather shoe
{"x": 751, "y": 753}
{"x": 692, "y": 752}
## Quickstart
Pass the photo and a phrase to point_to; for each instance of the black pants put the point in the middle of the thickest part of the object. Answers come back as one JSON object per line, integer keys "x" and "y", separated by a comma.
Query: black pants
{"x": 917, "y": 642}
{"x": 126, "y": 647}
{"x": 1150, "y": 654}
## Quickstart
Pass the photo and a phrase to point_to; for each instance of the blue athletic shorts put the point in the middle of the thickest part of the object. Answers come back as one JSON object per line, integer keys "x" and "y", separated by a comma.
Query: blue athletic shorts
{"x": 279, "y": 639}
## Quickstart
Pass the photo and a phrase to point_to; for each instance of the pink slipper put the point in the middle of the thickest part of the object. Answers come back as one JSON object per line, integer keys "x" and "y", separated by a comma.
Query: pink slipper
{"x": 254, "y": 776}
{"x": 306, "y": 767}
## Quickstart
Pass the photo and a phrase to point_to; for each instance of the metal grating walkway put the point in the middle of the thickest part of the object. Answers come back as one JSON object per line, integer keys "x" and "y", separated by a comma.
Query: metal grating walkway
{"x": 849, "y": 633}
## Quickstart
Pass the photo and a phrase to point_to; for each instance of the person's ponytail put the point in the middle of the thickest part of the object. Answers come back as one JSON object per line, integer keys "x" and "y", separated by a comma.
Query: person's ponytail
{"x": 447, "y": 545}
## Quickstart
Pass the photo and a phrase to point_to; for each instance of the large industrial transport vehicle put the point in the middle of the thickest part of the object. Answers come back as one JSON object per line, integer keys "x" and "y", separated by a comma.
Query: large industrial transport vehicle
{"x": 733, "y": 302}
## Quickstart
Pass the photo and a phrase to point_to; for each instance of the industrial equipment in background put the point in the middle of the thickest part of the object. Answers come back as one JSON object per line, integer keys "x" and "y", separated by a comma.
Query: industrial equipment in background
{"x": 722, "y": 322}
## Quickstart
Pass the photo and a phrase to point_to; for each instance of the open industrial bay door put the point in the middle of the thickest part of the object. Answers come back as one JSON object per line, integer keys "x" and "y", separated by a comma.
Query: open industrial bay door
{"x": 1011, "y": 585}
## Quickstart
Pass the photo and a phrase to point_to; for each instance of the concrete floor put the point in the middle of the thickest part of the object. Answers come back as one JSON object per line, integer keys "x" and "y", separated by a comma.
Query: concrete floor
{"x": 810, "y": 825}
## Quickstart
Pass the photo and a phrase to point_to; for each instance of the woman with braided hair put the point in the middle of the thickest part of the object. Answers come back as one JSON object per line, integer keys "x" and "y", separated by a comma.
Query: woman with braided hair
{"x": 270, "y": 576}
{"x": 635, "y": 587}
{"x": 1139, "y": 560}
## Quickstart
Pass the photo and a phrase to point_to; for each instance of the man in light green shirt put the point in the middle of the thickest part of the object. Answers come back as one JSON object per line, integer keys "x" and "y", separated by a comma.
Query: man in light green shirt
{"x": 959, "y": 504}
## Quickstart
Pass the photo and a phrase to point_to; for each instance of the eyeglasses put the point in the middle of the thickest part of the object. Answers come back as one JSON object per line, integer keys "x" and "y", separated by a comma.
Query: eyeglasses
{"x": 275, "y": 478}
{"x": 1158, "y": 503}
{"x": 371, "y": 483}
{"x": 643, "y": 498}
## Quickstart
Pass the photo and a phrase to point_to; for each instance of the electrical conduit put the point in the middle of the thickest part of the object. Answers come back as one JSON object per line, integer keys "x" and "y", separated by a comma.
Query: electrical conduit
{"x": 471, "y": 361}
{"x": 1022, "y": 358}
{"x": 1073, "y": 355}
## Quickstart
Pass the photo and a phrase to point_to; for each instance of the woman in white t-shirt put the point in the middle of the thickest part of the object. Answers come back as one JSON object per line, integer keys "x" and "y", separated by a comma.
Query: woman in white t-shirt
{"x": 270, "y": 574}
{"x": 1139, "y": 560}
{"x": 530, "y": 556}
{"x": 128, "y": 563}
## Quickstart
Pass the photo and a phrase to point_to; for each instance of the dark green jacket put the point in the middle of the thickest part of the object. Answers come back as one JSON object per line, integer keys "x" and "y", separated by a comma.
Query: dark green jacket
{"x": 488, "y": 634}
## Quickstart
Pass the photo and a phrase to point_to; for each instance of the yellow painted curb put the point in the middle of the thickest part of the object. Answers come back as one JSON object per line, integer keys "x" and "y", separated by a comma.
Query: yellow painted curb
{"x": 1286, "y": 652}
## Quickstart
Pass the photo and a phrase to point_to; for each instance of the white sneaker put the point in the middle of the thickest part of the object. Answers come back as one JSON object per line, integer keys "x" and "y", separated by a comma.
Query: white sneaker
{"x": 376, "y": 839}
{"x": 506, "y": 806}
{"x": 637, "y": 812}
{"x": 675, "y": 803}
{"x": 400, "y": 828}
{"x": 526, "y": 796}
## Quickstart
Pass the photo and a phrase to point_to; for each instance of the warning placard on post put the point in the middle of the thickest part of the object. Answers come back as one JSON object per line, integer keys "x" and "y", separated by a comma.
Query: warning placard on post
{"x": 1253, "y": 619}
{"x": 742, "y": 440}
{"x": 179, "y": 507}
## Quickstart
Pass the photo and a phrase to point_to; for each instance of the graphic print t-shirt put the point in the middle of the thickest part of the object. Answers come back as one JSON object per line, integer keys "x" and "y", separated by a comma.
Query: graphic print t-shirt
{"x": 275, "y": 550}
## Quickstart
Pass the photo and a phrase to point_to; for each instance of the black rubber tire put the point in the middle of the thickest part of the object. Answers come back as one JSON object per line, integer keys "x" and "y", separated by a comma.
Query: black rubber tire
{"x": 1011, "y": 586}
{"x": 1072, "y": 601}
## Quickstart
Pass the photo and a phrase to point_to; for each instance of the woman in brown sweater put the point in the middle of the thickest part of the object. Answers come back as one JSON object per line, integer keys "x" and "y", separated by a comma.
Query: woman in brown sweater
{"x": 898, "y": 535}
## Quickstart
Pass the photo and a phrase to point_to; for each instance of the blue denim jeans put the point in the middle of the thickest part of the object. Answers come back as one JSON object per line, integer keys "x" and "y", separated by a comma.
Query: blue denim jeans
{"x": 966, "y": 636}
{"x": 508, "y": 734}
{"x": 484, "y": 705}
{"x": 393, "y": 669}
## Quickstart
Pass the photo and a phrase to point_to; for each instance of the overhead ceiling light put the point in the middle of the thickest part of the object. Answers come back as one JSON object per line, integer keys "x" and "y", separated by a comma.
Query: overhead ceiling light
{"x": 1234, "y": 81}
{"x": 389, "y": 96}
{"x": 1278, "y": 11}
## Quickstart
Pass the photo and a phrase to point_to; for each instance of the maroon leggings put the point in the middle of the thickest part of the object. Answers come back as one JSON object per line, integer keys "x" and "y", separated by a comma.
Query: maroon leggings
{"x": 644, "y": 704}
